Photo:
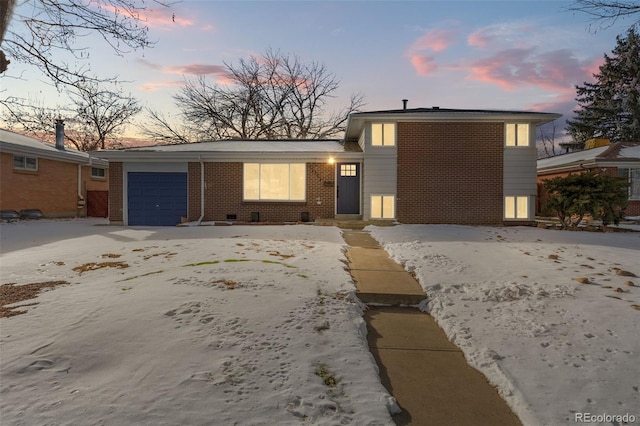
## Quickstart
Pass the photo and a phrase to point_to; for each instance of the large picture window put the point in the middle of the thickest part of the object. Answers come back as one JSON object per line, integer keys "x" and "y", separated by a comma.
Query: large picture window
{"x": 383, "y": 134}
{"x": 516, "y": 207}
{"x": 517, "y": 134}
{"x": 274, "y": 182}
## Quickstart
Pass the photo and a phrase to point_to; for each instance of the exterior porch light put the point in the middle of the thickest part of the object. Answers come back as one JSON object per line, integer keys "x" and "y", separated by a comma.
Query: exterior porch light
{"x": 331, "y": 160}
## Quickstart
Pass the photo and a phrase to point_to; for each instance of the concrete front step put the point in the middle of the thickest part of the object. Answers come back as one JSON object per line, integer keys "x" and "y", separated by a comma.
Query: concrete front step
{"x": 387, "y": 287}
{"x": 371, "y": 259}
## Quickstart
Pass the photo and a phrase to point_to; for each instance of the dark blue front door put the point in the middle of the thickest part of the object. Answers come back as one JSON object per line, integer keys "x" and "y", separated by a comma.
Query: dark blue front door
{"x": 156, "y": 199}
{"x": 348, "y": 188}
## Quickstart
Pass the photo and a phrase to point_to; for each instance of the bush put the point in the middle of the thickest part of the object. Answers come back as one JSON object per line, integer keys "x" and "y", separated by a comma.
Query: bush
{"x": 603, "y": 197}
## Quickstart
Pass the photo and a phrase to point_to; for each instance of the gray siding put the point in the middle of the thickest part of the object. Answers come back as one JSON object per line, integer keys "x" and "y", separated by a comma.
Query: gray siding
{"x": 380, "y": 171}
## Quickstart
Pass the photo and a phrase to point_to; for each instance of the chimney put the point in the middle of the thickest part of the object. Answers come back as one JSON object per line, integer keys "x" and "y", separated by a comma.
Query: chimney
{"x": 60, "y": 134}
{"x": 404, "y": 104}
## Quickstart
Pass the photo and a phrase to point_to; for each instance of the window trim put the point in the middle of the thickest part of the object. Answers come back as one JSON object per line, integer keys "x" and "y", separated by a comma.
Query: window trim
{"x": 515, "y": 132}
{"x": 104, "y": 173}
{"x": 382, "y": 135}
{"x": 24, "y": 163}
{"x": 272, "y": 200}
{"x": 629, "y": 174}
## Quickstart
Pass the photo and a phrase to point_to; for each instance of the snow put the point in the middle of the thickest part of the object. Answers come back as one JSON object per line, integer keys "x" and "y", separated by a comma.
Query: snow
{"x": 185, "y": 336}
{"x": 507, "y": 297}
{"x": 630, "y": 152}
{"x": 206, "y": 325}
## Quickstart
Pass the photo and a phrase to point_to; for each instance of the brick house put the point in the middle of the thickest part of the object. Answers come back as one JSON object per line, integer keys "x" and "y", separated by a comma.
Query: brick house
{"x": 617, "y": 159}
{"x": 424, "y": 165}
{"x": 52, "y": 178}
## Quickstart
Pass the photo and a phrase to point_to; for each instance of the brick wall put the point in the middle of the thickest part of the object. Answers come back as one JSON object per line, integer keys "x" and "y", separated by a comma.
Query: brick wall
{"x": 450, "y": 173}
{"x": 223, "y": 195}
{"x": 115, "y": 193}
{"x": 53, "y": 188}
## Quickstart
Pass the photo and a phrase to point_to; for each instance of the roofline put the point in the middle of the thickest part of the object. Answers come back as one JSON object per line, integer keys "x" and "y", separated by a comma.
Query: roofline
{"x": 445, "y": 115}
{"x": 76, "y": 157}
{"x": 224, "y": 156}
{"x": 590, "y": 164}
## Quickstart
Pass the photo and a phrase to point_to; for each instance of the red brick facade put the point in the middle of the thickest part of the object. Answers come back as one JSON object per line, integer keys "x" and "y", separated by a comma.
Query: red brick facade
{"x": 53, "y": 188}
{"x": 224, "y": 191}
{"x": 115, "y": 193}
{"x": 450, "y": 172}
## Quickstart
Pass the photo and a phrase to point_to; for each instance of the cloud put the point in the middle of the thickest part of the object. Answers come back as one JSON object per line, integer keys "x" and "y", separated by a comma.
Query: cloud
{"x": 434, "y": 40}
{"x": 163, "y": 18}
{"x": 512, "y": 34}
{"x": 196, "y": 69}
{"x": 152, "y": 86}
{"x": 424, "y": 65}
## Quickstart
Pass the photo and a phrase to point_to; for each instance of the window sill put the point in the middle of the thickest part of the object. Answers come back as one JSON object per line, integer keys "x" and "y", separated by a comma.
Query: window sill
{"x": 296, "y": 202}
{"x": 25, "y": 171}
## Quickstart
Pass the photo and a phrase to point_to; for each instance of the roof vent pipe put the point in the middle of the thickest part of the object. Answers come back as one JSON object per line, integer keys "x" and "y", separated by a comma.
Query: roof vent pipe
{"x": 60, "y": 134}
{"x": 404, "y": 104}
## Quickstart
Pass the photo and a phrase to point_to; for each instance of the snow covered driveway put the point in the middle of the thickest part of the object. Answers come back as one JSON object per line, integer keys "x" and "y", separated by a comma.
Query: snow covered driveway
{"x": 195, "y": 325}
{"x": 554, "y": 347}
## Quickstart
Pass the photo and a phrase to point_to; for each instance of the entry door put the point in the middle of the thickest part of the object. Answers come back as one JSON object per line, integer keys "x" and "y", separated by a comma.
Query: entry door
{"x": 348, "y": 188}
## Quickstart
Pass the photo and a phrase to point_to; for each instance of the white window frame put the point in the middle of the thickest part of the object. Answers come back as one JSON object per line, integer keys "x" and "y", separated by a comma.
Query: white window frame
{"x": 382, "y": 206}
{"x": 386, "y": 136}
{"x": 24, "y": 161}
{"x": 259, "y": 189}
{"x": 518, "y": 130}
{"x": 516, "y": 207}
{"x": 104, "y": 173}
{"x": 631, "y": 174}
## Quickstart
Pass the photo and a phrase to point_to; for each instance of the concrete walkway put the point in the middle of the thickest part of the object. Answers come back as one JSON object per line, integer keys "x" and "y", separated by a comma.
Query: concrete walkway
{"x": 427, "y": 374}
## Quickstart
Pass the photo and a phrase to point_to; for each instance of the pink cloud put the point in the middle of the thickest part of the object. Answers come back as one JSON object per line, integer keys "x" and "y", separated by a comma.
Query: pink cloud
{"x": 163, "y": 18}
{"x": 480, "y": 38}
{"x": 424, "y": 65}
{"x": 195, "y": 69}
{"x": 152, "y": 86}
{"x": 435, "y": 40}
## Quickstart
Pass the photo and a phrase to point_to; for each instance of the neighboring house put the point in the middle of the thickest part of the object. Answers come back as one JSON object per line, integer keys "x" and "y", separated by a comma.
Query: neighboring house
{"x": 618, "y": 159}
{"x": 425, "y": 165}
{"x": 54, "y": 179}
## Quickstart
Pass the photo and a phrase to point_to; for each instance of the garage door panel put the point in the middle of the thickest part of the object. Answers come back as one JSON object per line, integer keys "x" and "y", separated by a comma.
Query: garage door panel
{"x": 156, "y": 198}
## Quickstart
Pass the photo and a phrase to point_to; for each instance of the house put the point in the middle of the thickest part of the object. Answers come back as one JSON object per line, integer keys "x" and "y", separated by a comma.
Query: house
{"x": 424, "y": 165}
{"x": 617, "y": 159}
{"x": 59, "y": 181}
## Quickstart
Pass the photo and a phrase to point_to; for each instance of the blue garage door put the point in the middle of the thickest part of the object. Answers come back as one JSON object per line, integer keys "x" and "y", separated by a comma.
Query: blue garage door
{"x": 156, "y": 199}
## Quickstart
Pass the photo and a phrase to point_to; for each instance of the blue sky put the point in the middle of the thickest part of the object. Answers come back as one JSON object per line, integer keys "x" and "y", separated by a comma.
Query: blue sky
{"x": 525, "y": 55}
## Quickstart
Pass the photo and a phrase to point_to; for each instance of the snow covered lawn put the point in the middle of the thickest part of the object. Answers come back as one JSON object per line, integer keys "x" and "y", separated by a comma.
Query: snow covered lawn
{"x": 192, "y": 326}
{"x": 507, "y": 296}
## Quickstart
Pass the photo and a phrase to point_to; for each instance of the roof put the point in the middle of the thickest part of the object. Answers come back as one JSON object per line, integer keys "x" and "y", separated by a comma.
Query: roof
{"x": 237, "y": 150}
{"x": 619, "y": 154}
{"x": 15, "y": 143}
{"x": 436, "y": 114}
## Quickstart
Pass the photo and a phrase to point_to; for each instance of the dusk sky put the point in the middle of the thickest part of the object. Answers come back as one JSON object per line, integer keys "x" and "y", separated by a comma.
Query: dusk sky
{"x": 524, "y": 55}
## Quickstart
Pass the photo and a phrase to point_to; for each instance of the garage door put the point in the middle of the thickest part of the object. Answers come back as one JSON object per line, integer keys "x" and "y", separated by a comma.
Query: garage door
{"x": 156, "y": 199}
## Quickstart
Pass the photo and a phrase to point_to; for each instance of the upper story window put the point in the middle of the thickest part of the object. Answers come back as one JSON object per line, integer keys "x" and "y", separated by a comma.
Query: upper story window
{"x": 517, "y": 134}
{"x": 383, "y": 134}
{"x": 98, "y": 172}
{"x": 21, "y": 162}
{"x": 274, "y": 182}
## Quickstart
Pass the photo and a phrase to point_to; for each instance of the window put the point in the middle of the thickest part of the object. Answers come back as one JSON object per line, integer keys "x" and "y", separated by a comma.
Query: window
{"x": 383, "y": 207}
{"x": 517, "y": 134}
{"x": 383, "y": 134}
{"x": 516, "y": 207}
{"x": 20, "y": 162}
{"x": 347, "y": 170}
{"x": 274, "y": 182}
{"x": 98, "y": 172}
{"x": 633, "y": 177}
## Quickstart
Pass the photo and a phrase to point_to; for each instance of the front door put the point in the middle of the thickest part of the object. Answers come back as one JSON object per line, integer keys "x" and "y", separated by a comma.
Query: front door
{"x": 348, "y": 191}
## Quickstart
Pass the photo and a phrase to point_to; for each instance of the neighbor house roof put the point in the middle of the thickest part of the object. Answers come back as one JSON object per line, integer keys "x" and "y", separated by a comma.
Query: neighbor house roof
{"x": 15, "y": 143}
{"x": 237, "y": 150}
{"x": 358, "y": 119}
{"x": 619, "y": 154}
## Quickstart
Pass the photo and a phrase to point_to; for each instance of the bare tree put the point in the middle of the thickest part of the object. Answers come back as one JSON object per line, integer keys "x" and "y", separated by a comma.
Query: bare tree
{"x": 275, "y": 96}
{"x": 94, "y": 120}
{"x": 42, "y": 32}
{"x": 608, "y": 12}
{"x": 547, "y": 138}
